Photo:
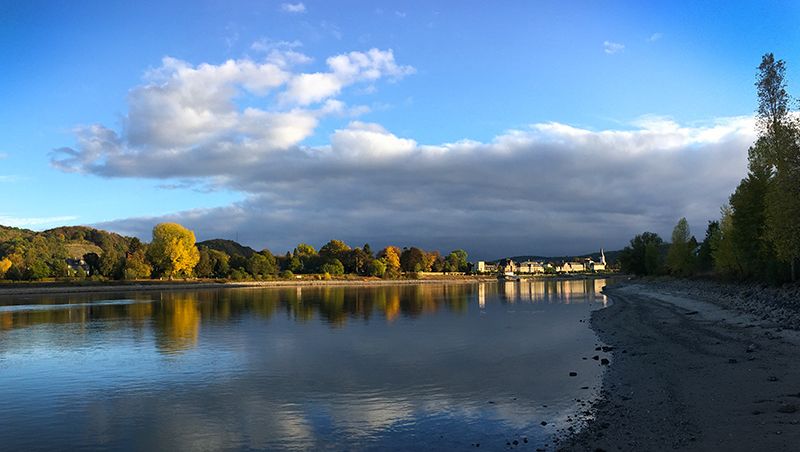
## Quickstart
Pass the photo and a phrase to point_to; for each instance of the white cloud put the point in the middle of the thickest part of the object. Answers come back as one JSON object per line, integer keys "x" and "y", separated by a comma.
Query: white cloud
{"x": 27, "y": 222}
{"x": 185, "y": 119}
{"x": 295, "y": 8}
{"x": 611, "y": 48}
{"x": 655, "y": 37}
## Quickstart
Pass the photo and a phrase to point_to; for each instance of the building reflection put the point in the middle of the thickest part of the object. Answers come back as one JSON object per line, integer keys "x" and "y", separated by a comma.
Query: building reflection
{"x": 553, "y": 291}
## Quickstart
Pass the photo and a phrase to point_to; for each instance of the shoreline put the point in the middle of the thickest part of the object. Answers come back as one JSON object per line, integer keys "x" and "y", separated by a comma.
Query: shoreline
{"x": 195, "y": 285}
{"x": 691, "y": 371}
{"x": 57, "y": 288}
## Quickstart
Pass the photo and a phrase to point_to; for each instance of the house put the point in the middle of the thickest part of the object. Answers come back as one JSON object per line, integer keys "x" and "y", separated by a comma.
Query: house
{"x": 531, "y": 267}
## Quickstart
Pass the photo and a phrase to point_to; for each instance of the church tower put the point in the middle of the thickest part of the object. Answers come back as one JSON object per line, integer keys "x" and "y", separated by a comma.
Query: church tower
{"x": 602, "y": 257}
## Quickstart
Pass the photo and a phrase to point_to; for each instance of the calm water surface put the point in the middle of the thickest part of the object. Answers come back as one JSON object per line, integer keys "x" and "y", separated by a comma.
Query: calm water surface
{"x": 391, "y": 367}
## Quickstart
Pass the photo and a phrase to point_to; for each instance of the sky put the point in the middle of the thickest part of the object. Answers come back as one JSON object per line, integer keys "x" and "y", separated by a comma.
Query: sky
{"x": 504, "y": 128}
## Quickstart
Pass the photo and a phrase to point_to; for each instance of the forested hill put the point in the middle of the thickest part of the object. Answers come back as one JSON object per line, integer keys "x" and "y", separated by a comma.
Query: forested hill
{"x": 228, "y": 247}
{"x": 611, "y": 257}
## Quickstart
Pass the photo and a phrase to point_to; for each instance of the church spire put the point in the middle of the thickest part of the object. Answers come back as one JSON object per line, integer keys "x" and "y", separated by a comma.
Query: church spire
{"x": 602, "y": 257}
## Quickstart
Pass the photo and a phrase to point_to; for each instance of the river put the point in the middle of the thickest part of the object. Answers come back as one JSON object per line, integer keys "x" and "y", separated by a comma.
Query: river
{"x": 451, "y": 366}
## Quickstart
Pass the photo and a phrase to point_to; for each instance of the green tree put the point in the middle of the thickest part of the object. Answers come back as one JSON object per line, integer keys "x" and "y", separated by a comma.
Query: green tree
{"x": 680, "y": 257}
{"x": 723, "y": 250}
{"x": 333, "y": 267}
{"x": 412, "y": 260}
{"x": 456, "y": 261}
{"x": 705, "y": 260}
{"x": 136, "y": 265}
{"x": 262, "y": 264}
{"x": 172, "y": 251}
{"x": 376, "y": 267}
{"x": 780, "y": 155}
{"x": 643, "y": 255}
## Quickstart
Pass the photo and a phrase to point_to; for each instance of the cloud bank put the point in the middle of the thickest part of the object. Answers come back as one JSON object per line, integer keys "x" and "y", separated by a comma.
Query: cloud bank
{"x": 549, "y": 188}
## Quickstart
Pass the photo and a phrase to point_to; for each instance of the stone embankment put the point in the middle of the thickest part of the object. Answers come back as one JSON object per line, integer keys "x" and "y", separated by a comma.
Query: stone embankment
{"x": 778, "y": 305}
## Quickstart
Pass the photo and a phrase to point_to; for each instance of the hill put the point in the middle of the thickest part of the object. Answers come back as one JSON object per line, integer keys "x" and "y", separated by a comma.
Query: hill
{"x": 228, "y": 246}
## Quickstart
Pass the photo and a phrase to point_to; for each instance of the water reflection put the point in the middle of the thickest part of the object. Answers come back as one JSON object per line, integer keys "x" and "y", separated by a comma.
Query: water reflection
{"x": 388, "y": 367}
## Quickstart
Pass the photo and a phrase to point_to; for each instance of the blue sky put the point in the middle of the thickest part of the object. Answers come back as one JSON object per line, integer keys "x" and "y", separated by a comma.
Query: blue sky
{"x": 475, "y": 73}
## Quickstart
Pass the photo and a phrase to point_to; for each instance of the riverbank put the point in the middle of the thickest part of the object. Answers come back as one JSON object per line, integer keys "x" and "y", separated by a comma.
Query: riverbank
{"x": 695, "y": 366}
{"x": 138, "y": 286}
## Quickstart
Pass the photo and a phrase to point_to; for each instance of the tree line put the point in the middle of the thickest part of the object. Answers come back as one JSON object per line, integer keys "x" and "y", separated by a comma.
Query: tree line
{"x": 174, "y": 253}
{"x": 757, "y": 236}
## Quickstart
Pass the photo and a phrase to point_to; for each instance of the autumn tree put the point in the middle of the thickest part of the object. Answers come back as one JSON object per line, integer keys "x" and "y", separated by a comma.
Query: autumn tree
{"x": 172, "y": 251}
{"x": 391, "y": 254}
{"x": 5, "y": 264}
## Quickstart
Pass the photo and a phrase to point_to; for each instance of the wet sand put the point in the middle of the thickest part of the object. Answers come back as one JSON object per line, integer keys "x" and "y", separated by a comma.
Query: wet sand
{"x": 688, "y": 374}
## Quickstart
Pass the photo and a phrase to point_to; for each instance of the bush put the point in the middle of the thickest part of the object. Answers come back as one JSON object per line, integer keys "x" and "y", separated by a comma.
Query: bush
{"x": 287, "y": 274}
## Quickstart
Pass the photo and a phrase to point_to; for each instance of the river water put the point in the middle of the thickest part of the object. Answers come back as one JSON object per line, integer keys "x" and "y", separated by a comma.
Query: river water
{"x": 338, "y": 368}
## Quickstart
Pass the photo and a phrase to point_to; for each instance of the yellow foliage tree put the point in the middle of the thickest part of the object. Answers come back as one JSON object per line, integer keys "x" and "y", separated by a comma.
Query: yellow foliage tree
{"x": 392, "y": 256}
{"x": 5, "y": 264}
{"x": 173, "y": 250}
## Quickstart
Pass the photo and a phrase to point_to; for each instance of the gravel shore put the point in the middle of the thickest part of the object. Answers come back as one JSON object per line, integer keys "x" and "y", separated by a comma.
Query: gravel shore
{"x": 695, "y": 365}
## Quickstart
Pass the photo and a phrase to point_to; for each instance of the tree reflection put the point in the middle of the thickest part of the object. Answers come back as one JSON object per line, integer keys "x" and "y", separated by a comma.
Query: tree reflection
{"x": 177, "y": 317}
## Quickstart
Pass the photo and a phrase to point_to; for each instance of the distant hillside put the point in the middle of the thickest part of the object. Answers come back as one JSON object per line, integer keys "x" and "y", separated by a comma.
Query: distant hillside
{"x": 611, "y": 257}
{"x": 228, "y": 246}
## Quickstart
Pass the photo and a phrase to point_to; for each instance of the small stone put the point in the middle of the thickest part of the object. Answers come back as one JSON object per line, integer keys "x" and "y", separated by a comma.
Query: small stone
{"x": 573, "y": 374}
{"x": 751, "y": 348}
{"x": 543, "y": 423}
{"x": 772, "y": 378}
{"x": 732, "y": 361}
{"x": 597, "y": 349}
{"x": 595, "y": 357}
{"x": 515, "y": 442}
{"x": 604, "y": 362}
{"x": 787, "y": 408}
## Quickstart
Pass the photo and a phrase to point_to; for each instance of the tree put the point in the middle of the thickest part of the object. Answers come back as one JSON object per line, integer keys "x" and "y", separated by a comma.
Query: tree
{"x": 456, "y": 261}
{"x": 93, "y": 262}
{"x": 204, "y": 268}
{"x": 780, "y": 155}
{"x": 726, "y": 260}
{"x": 376, "y": 267}
{"x": 262, "y": 264}
{"x": 333, "y": 267}
{"x": 136, "y": 266}
{"x": 412, "y": 259}
{"x": 391, "y": 255}
{"x": 643, "y": 255}
{"x": 705, "y": 260}
{"x": 680, "y": 257}
{"x": 5, "y": 264}
{"x": 172, "y": 251}
{"x": 335, "y": 249}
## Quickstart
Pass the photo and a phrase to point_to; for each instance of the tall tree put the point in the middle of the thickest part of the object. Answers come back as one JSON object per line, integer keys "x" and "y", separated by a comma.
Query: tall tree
{"x": 680, "y": 257}
{"x": 781, "y": 156}
{"x": 172, "y": 251}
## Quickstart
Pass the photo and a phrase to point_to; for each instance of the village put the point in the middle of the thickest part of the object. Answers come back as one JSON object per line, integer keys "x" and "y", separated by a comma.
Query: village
{"x": 509, "y": 268}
